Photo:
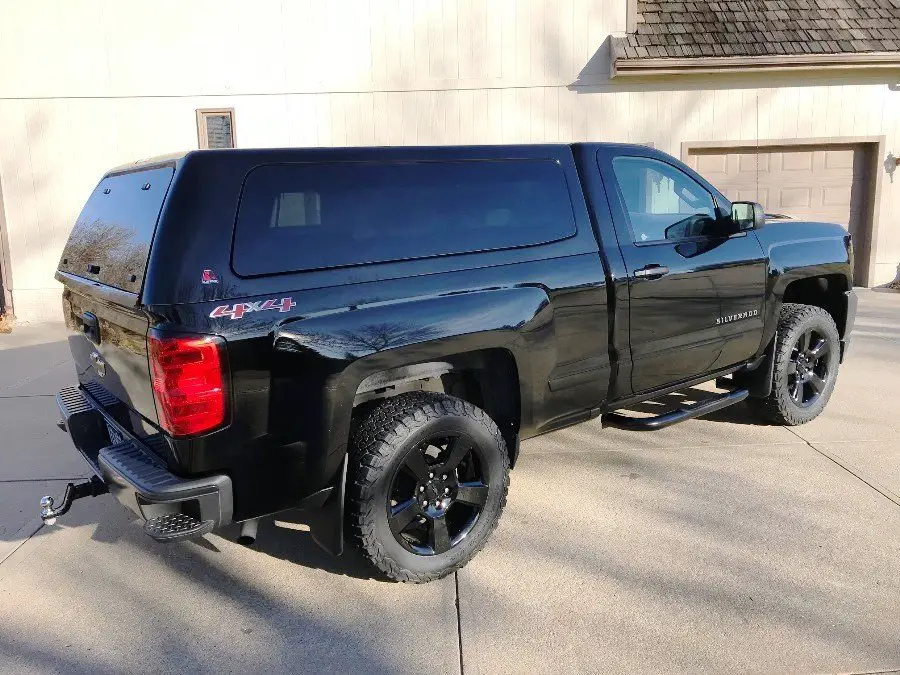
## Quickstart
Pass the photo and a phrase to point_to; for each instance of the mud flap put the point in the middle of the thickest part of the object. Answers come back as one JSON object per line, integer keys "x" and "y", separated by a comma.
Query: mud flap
{"x": 758, "y": 382}
{"x": 326, "y": 523}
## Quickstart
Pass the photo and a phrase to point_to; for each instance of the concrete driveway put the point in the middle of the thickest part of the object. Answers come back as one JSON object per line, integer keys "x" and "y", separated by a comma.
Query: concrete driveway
{"x": 716, "y": 545}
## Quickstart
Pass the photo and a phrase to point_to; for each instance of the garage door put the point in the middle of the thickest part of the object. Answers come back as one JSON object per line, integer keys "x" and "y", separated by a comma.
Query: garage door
{"x": 810, "y": 182}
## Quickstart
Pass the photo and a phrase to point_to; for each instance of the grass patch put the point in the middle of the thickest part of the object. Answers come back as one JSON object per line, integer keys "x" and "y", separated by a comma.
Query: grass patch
{"x": 6, "y": 323}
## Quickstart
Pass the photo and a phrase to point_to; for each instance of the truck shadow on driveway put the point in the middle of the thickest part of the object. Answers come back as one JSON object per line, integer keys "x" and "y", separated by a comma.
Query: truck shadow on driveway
{"x": 297, "y": 546}
{"x": 255, "y": 622}
{"x": 283, "y": 542}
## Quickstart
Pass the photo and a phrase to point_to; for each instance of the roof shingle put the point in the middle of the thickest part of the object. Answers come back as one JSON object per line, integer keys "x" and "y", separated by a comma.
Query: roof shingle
{"x": 667, "y": 29}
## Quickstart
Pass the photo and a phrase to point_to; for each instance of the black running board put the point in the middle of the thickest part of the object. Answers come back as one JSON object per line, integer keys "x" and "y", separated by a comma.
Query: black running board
{"x": 620, "y": 421}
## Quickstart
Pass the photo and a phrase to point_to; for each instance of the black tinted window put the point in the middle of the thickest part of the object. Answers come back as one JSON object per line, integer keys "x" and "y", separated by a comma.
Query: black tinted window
{"x": 663, "y": 202}
{"x": 111, "y": 239}
{"x": 308, "y": 216}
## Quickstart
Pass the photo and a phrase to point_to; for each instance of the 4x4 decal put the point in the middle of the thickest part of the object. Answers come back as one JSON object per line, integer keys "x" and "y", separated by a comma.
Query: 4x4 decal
{"x": 238, "y": 310}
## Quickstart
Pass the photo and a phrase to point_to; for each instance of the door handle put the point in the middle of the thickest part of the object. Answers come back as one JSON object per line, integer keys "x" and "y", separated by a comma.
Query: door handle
{"x": 651, "y": 272}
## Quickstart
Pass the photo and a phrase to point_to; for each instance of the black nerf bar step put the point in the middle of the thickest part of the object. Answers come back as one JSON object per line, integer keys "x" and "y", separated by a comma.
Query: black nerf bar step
{"x": 620, "y": 421}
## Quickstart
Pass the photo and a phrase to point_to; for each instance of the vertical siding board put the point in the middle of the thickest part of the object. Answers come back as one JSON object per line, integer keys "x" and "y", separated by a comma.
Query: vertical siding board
{"x": 377, "y": 31}
{"x": 352, "y": 120}
{"x": 404, "y": 46}
{"x": 434, "y": 22}
{"x": 465, "y": 32}
{"x": 494, "y": 102}
{"x": 765, "y": 113}
{"x": 507, "y": 38}
{"x": 302, "y": 115}
{"x": 465, "y": 123}
{"x": 568, "y": 67}
{"x": 597, "y": 30}
{"x": 848, "y": 110}
{"x": 816, "y": 99}
{"x": 323, "y": 120}
{"x": 451, "y": 39}
{"x": 480, "y": 115}
{"x": 542, "y": 63}
{"x": 566, "y": 102}
{"x": 833, "y": 104}
{"x": 422, "y": 59}
{"x": 806, "y": 118}
{"x": 493, "y": 40}
{"x": 580, "y": 45}
{"x": 523, "y": 38}
{"x": 551, "y": 112}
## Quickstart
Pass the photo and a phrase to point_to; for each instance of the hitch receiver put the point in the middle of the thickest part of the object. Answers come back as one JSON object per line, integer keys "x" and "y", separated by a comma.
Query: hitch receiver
{"x": 90, "y": 488}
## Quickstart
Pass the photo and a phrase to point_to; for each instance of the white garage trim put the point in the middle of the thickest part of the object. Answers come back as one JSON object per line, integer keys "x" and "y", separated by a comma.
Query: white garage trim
{"x": 876, "y": 145}
{"x": 5, "y": 268}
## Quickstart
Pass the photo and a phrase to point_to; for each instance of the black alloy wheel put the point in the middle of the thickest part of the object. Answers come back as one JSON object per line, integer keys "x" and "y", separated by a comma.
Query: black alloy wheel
{"x": 437, "y": 494}
{"x": 426, "y": 484}
{"x": 808, "y": 371}
{"x": 807, "y": 359}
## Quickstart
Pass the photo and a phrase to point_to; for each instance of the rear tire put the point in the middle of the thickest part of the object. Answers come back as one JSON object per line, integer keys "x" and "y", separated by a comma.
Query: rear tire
{"x": 807, "y": 356}
{"x": 429, "y": 474}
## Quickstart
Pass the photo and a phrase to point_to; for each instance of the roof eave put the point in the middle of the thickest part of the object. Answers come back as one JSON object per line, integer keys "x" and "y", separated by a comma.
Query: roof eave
{"x": 623, "y": 67}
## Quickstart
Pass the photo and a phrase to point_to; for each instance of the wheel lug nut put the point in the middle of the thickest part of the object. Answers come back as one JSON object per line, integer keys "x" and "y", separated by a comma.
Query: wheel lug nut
{"x": 421, "y": 488}
{"x": 425, "y": 503}
{"x": 444, "y": 477}
{"x": 446, "y": 491}
{"x": 431, "y": 475}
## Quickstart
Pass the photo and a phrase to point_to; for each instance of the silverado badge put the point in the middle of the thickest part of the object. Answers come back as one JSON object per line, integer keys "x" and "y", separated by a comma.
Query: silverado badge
{"x": 736, "y": 317}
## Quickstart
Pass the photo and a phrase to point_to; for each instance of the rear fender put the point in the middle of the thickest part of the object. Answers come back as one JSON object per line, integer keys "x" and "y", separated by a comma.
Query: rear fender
{"x": 320, "y": 361}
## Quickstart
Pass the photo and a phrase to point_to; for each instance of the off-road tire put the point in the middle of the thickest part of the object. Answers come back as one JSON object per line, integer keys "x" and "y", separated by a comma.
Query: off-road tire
{"x": 378, "y": 447}
{"x": 795, "y": 320}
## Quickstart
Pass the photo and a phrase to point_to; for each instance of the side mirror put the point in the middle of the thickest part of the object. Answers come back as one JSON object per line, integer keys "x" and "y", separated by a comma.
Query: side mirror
{"x": 748, "y": 215}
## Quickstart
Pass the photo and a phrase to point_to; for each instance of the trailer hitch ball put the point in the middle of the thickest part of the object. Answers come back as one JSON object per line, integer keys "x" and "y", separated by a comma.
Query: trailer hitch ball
{"x": 89, "y": 488}
{"x": 47, "y": 509}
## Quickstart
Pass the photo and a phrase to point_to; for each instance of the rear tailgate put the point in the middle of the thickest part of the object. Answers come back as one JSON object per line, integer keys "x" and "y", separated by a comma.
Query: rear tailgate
{"x": 102, "y": 269}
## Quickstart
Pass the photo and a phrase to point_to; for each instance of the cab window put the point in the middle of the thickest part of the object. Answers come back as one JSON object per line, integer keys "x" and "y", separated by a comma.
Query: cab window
{"x": 664, "y": 203}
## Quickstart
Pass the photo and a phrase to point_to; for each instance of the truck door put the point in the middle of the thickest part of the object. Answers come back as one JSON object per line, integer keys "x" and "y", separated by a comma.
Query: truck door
{"x": 696, "y": 284}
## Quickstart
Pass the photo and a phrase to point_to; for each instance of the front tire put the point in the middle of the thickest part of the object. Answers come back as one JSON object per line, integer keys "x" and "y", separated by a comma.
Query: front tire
{"x": 807, "y": 356}
{"x": 429, "y": 474}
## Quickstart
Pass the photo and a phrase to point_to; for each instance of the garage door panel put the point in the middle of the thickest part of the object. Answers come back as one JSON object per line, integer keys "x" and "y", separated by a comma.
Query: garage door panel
{"x": 797, "y": 161}
{"x": 708, "y": 165}
{"x": 839, "y": 159}
{"x": 744, "y": 195}
{"x": 836, "y": 195}
{"x": 794, "y": 198}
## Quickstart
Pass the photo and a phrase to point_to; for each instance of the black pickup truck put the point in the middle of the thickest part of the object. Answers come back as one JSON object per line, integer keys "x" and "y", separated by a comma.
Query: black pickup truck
{"x": 365, "y": 335}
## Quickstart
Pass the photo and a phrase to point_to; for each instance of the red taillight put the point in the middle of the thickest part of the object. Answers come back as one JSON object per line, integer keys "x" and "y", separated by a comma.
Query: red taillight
{"x": 188, "y": 376}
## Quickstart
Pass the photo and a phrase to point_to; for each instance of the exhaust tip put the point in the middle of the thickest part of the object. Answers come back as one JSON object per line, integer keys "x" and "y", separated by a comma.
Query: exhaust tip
{"x": 248, "y": 532}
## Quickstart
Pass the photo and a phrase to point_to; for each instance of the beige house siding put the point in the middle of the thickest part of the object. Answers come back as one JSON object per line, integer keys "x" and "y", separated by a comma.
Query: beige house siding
{"x": 105, "y": 83}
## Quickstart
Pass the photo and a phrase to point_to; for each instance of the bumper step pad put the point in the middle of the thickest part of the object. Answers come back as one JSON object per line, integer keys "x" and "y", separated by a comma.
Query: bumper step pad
{"x": 133, "y": 470}
{"x": 175, "y": 526}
